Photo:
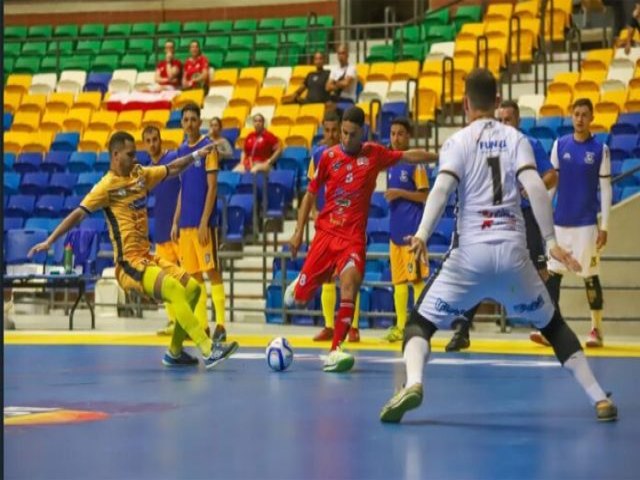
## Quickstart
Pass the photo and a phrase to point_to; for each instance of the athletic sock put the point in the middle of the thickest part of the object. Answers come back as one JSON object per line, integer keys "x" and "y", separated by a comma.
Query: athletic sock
{"x": 596, "y": 320}
{"x": 356, "y": 313}
{"x": 328, "y": 301}
{"x": 577, "y": 364}
{"x": 400, "y": 301}
{"x": 418, "y": 287}
{"x": 343, "y": 323}
{"x": 218, "y": 298}
{"x": 171, "y": 315}
{"x": 177, "y": 339}
{"x": 201, "y": 307}
{"x": 416, "y": 354}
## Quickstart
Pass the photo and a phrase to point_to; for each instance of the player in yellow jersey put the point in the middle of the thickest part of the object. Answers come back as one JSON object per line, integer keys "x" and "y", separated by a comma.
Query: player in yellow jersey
{"x": 122, "y": 193}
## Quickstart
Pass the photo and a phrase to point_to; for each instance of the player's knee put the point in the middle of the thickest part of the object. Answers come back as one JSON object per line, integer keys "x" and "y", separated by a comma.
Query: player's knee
{"x": 418, "y": 326}
{"x": 563, "y": 340}
{"x": 594, "y": 292}
{"x": 172, "y": 289}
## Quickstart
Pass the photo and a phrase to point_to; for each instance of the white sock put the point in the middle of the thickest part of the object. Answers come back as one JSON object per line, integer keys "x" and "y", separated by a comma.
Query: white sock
{"x": 416, "y": 354}
{"x": 577, "y": 364}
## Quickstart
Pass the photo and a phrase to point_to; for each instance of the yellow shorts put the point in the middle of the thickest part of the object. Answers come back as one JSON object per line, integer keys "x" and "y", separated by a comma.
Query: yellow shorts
{"x": 404, "y": 266}
{"x": 168, "y": 251}
{"x": 194, "y": 257}
{"x": 129, "y": 273}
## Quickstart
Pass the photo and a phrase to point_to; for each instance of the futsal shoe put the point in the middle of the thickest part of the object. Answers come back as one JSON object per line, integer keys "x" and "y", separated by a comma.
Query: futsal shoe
{"x": 182, "y": 360}
{"x": 324, "y": 335}
{"x": 537, "y": 337}
{"x": 606, "y": 410}
{"x": 166, "y": 331}
{"x": 594, "y": 340}
{"x": 338, "y": 361}
{"x": 219, "y": 353}
{"x": 460, "y": 339}
{"x": 219, "y": 334}
{"x": 354, "y": 335}
{"x": 289, "y": 294}
{"x": 394, "y": 334}
{"x": 403, "y": 401}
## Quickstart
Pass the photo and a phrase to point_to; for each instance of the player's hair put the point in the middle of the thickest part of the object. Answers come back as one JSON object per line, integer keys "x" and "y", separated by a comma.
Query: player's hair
{"x": 511, "y": 104}
{"x": 331, "y": 117}
{"x": 481, "y": 89}
{"x": 118, "y": 139}
{"x": 583, "y": 102}
{"x": 191, "y": 107}
{"x": 216, "y": 119}
{"x": 404, "y": 121}
{"x": 150, "y": 129}
{"x": 258, "y": 115}
{"x": 197, "y": 42}
{"x": 354, "y": 115}
{"x": 171, "y": 42}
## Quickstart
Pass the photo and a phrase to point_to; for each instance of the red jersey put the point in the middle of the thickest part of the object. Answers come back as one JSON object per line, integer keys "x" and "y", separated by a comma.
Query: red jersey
{"x": 195, "y": 65}
{"x": 349, "y": 182}
{"x": 259, "y": 148}
{"x": 164, "y": 72}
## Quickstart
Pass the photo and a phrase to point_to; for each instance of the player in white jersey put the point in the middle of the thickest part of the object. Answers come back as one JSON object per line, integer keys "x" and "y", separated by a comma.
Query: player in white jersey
{"x": 484, "y": 162}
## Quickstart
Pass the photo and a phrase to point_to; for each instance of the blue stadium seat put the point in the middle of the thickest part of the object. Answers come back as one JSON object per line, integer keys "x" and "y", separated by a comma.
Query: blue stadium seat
{"x": 378, "y": 230}
{"x": 553, "y": 123}
{"x": 20, "y": 206}
{"x": 8, "y": 160}
{"x": 81, "y": 162}
{"x": 231, "y": 134}
{"x": 12, "y": 223}
{"x": 227, "y": 183}
{"x": 379, "y": 207}
{"x": 175, "y": 119}
{"x": 276, "y": 201}
{"x": 19, "y": 242}
{"x": 104, "y": 257}
{"x": 71, "y": 203}
{"x": 85, "y": 182}
{"x": 11, "y": 182}
{"x": 84, "y": 242}
{"x": 239, "y": 217}
{"x": 246, "y": 184}
{"x": 622, "y": 146}
{"x": 103, "y": 162}
{"x": 628, "y": 119}
{"x": 446, "y": 227}
{"x": 547, "y": 143}
{"x": 55, "y": 161}
{"x": 377, "y": 265}
{"x": 34, "y": 183}
{"x": 565, "y": 130}
{"x": 7, "y": 120}
{"x": 542, "y": 132}
{"x": 221, "y": 212}
{"x": 293, "y": 266}
{"x": 48, "y": 224}
{"x": 274, "y": 300}
{"x": 616, "y": 167}
{"x": 602, "y": 137}
{"x": 390, "y": 111}
{"x": 143, "y": 157}
{"x": 28, "y": 162}
{"x": 629, "y": 192}
{"x": 294, "y": 158}
{"x": 62, "y": 183}
{"x": 97, "y": 82}
{"x": 526, "y": 123}
{"x": 623, "y": 128}
{"x": 382, "y": 301}
{"x": 634, "y": 179}
{"x": 49, "y": 206}
{"x": 617, "y": 193}
{"x": 286, "y": 179}
{"x": 66, "y": 141}
{"x": 97, "y": 224}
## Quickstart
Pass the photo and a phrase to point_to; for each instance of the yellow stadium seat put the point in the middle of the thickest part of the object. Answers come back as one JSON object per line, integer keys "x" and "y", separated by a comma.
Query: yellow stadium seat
{"x": 77, "y": 119}
{"x": 251, "y": 77}
{"x": 528, "y": 36}
{"x": 427, "y": 100}
{"x": 469, "y": 47}
{"x": 129, "y": 120}
{"x": 93, "y": 141}
{"x": 498, "y": 11}
{"x": 602, "y": 122}
{"x": 611, "y": 102}
{"x": 285, "y": 115}
{"x": 432, "y": 66}
{"x": 12, "y": 101}
{"x": 103, "y": 120}
{"x": 499, "y": 28}
{"x": 18, "y": 83}
{"x": 604, "y": 55}
{"x": 310, "y": 114}
{"x": 405, "y": 70}
{"x": 269, "y": 96}
{"x": 556, "y": 105}
{"x": 470, "y": 31}
{"x": 234, "y": 117}
{"x": 155, "y": 118}
{"x": 33, "y": 103}
{"x": 39, "y": 142}
{"x": 491, "y": 59}
{"x": 371, "y": 111}
{"x": 528, "y": 9}
{"x": 25, "y": 121}
{"x": 52, "y": 121}
{"x": 13, "y": 141}
{"x": 243, "y": 95}
{"x": 380, "y": 71}
{"x": 188, "y": 96}
{"x": 172, "y": 138}
{"x": 280, "y": 131}
{"x": 464, "y": 61}
{"x": 224, "y": 76}
{"x": 244, "y": 133}
{"x": 587, "y": 89}
{"x": 362, "y": 71}
{"x": 558, "y": 20}
{"x": 59, "y": 102}
{"x": 92, "y": 100}
{"x": 300, "y": 136}
{"x": 595, "y": 76}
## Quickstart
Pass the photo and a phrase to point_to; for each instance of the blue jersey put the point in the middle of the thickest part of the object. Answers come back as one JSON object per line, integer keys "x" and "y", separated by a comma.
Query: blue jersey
{"x": 194, "y": 185}
{"x": 166, "y": 195}
{"x": 313, "y": 168}
{"x": 580, "y": 166}
{"x": 543, "y": 164}
{"x": 405, "y": 215}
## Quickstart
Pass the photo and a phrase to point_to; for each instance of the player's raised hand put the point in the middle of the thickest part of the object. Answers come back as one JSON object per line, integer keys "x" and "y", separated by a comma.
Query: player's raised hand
{"x": 294, "y": 243}
{"x": 40, "y": 247}
{"x": 565, "y": 258}
{"x": 601, "y": 240}
{"x": 417, "y": 247}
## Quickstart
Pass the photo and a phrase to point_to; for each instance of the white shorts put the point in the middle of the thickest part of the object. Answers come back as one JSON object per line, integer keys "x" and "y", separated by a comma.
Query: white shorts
{"x": 581, "y": 242}
{"x": 499, "y": 271}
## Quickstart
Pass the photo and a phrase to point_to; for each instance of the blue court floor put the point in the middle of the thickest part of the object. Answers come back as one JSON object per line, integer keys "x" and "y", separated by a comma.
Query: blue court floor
{"x": 484, "y": 417}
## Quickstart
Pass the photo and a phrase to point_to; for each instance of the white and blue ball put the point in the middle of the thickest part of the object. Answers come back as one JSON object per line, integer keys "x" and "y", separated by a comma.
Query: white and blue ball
{"x": 279, "y": 354}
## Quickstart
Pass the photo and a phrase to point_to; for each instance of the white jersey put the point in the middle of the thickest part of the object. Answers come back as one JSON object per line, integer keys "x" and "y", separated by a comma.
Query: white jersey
{"x": 485, "y": 158}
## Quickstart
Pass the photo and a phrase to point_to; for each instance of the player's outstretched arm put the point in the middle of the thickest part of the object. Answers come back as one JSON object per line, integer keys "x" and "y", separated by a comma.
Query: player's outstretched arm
{"x": 419, "y": 155}
{"x": 176, "y": 167}
{"x": 67, "y": 224}
{"x": 303, "y": 216}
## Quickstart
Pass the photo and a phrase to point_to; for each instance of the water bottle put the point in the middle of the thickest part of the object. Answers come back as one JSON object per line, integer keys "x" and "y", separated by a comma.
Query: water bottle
{"x": 67, "y": 261}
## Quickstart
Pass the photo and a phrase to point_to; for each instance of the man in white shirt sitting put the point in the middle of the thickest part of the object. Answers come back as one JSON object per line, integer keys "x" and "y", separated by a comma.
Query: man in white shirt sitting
{"x": 343, "y": 80}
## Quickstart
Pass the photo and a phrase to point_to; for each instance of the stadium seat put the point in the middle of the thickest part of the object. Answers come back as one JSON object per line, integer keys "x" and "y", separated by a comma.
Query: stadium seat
{"x": 43, "y": 83}
{"x": 12, "y": 223}
{"x": 77, "y": 119}
{"x": 405, "y": 70}
{"x": 285, "y": 115}
{"x": 15, "y": 32}
{"x": 287, "y": 180}
{"x": 28, "y": 162}
{"x": 310, "y": 114}
{"x": 66, "y": 141}
{"x": 86, "y": 181}
{"x": 140, "y": 46}
{"x": 602, "y": 122}
{"x": 227, "y": 183}
{"x": 55, "y": 161}
{"x": 239, "y": 217}
{"x": 71, "y": 81}
{"x": 20, "y": 206}
{"x": 225, "y": 77}
{"x": 379, "y": 208}
{"x": 97, "y": 82}
{"x": 129, "y": 120}
{"x": 234, "y": 117}
{"x": 26, "y": 122}
{"x": 123, "y": 80}
{"x": 92, "y": 30}
{"x": 172, "y": 138}
{"x": 219, "y": 96}
{"x": 243, "y": 96}
{"x": 237, "y": 59}
{"x": 49, "y": 206}
{"x": 12, "y": 101}
{"x": 622, "y": 146}
{"x": 380, "y": 53}
{"x": 27, "y": 65}
{"x": 8, "y": 161}
{"x": 168, "y": 28}
{"x": 251, "y": 77}
{"x": 81, "y": 162}
{"x": 144, "y": 80}
{"x": 34, "y": 183}
{"x": 18, "y": 243}
{"x": 14, "y": 141}
{"x": 33, "y": 103}
{"x": 93, "y": 140}
{"x": 7, "y": 121}
{"x": 18, "y": 83}
{"x": 300, "y": 136}
{"x": 11, "y": 182}
{"x": 269, "y": 96}
{"x": 119, "y": 29}
{"x": 265, "y": 110}
{"x": 266, "y": 58}
{"x": 378, "y": 230}
{"x": 628, "y": 192}
{"x": 59, "y": 102}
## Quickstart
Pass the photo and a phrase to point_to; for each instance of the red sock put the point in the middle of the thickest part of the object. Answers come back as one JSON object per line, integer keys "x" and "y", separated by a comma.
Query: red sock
{"x": 343, "y": 323}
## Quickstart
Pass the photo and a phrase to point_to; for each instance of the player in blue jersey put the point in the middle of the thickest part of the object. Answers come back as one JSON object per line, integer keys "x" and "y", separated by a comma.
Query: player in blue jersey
{"x": 195, "y": 220}
{"x": 331, "y": 137}
{"x": 166, "y": 196}
{"x": 583, "y": 165}
{"x": 407, "y": 186}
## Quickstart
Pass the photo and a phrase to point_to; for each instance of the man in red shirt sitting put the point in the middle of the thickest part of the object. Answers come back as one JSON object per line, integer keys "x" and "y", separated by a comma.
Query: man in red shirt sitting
{"x": 261, "y": 149}
{"x": 168, "y": 71}
{"x": 196, "y": 69}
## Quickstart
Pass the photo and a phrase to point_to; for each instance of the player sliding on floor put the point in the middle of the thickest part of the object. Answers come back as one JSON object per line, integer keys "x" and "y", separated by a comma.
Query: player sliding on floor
{"x": 122, "y": 193}
{"x": 349, "y": 172}
{"x": 484, "y": 162}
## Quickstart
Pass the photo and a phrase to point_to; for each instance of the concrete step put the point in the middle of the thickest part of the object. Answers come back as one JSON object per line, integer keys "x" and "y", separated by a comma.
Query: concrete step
{"x": 618, "y": 304}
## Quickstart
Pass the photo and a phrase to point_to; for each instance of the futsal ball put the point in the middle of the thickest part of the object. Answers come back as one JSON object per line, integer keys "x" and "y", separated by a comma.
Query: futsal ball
{"x": 279, "y": 354}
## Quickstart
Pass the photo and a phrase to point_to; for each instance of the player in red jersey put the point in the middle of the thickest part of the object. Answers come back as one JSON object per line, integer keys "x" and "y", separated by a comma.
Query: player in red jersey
{"x": 348, "y": 172}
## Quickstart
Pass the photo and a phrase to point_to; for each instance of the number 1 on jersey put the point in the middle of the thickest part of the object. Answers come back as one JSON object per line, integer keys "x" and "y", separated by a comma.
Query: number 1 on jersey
{"x": 494, "y": 165}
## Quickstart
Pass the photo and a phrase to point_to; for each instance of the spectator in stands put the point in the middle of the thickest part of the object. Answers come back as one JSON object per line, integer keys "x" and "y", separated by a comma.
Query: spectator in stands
{"x": 196, "y": 69}
{"x": 169, "y": 70}
{"x": 342, "y": 81}
{"x": 314, "y": 84}
{"x": 261, "y": 149}
{"x": 634, "y": 24}
{"x": 225, "y": 150}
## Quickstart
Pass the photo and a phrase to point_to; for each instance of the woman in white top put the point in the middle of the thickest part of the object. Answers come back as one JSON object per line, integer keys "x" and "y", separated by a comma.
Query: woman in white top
{"x": 225, "y": 150}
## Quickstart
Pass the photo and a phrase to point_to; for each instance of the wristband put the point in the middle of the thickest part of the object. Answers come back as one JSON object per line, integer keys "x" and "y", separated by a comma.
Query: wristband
{"x": 195, "y": 156}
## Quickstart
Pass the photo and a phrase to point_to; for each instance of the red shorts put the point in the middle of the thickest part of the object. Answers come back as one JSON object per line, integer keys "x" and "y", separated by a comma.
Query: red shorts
{"x": 328, "y": 255}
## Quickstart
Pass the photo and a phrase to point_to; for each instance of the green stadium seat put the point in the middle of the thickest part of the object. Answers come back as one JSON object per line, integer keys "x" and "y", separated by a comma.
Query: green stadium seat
{"x": 88, "y": 47}
{"x": 267, "y": 40}
{"x": 215, "y": 57}
{"x": 237, "y": 59}
{"x": 241, "y": 42}
{"x": 296, "y": 22}
{"x": 13, "y": 31}
{"x": 380, "y": 53}
{"x": 145, "y": 28}
{"x": 411, "y": 34}
{"x": 218, "y": 43}
{"x": 297, "y": 39}
{"x": 11, "y": 49}
{"x": 52, "y": 64}
{"x": 140, "y": 45}
{"x": 325, "y": 20}
{"x": 8, "y": 65}
{"x": 63, "y": 31}
{"x": 119, "y": 29}
{"x": 77, "y": 62}
{"x": 64, "y": 46}
{"x": 249, "y": 24}
{"x": 92, "y": 30}
{"x": 152, "y": 62}
{"x": 40, "y": 31}
{"x": 318, "y": 39}
{"x": 136, "y": 61}
{"x": 199, "y": 28}
{"x": 467, "y": 14}
{"x": 289, "y": 55}
{"x": 105, "y": 63}
{"x": 222, "y": 26}
{"x": 185, "y": 42}
{"x": 168, "y": 28}
{"x": 118, "y": 47}
{"x": 34, "y": 49}
{"x": 439, "y": 17}
{"x": 27, "y": 65}
{"x": 266, "y": 58}
{"x": 411, "y": 51}
{"x": 271, "y": 24}
{"x": 440, "y": 33}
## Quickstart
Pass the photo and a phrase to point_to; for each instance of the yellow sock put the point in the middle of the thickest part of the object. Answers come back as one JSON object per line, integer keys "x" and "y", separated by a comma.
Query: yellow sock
{"x": 217, "y": 298}
{"x": 201, "y": 307}
{"x": 328, "y": 301}
{"x": 418, "y": 287}
{"x": 596, "y": 320}
{"x": 356, "y": 313}
{"x": 177, "y": 339}
{"x": 400, "y": 302}
{"x": 171, "y": 315}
